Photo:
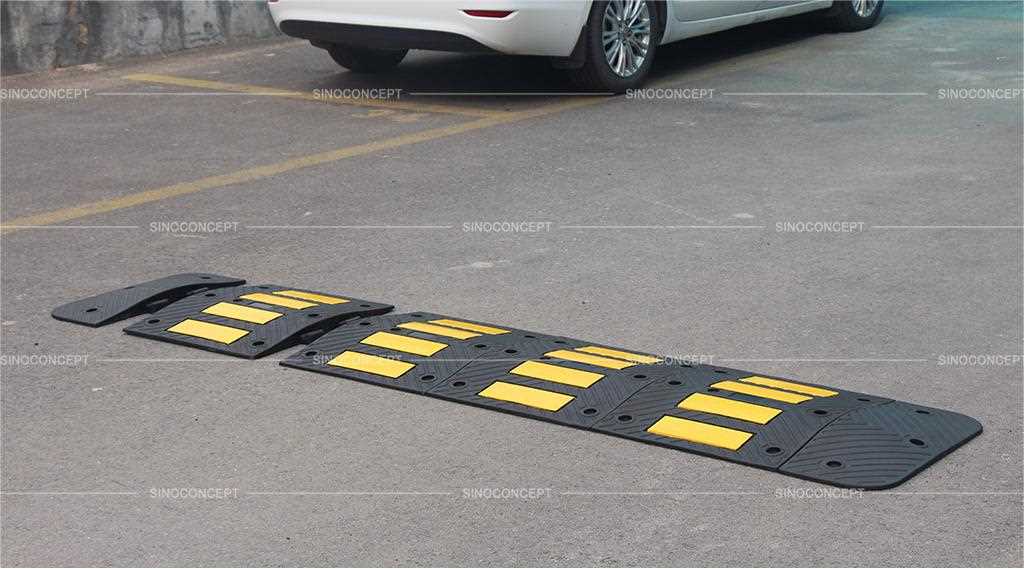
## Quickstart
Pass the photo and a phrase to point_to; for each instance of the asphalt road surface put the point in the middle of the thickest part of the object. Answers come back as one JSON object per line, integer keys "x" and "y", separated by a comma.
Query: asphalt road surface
{"x": 690, "y": 225}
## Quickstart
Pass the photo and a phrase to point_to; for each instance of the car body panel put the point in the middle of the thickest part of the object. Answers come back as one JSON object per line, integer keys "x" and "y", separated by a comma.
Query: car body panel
{"x": 536, "y": 27}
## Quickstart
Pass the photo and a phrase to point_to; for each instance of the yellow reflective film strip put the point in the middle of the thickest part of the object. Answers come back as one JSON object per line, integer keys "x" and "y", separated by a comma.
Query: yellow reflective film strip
{"x": 403, "y": 343}
{"x": 243, "y": 313}
{"x": 628, "y": 356}
{"x": 790, "y": 386}
{"x": 369, "y": 363}
{"x": 277, "y": 300}
{"x": 529, "y": 396}
{"x": 318, "y": 298}
{"x": 701, "y": 433}
{"x": 439, "y": 330}
{"x": 589, "y": 359}
{"x": 729, "y": 408}
{"x": 208, "y": 331}
{"x": 489, "y": 330}
{"x": 762, "y": 392}
{"x": 557, "y": 374}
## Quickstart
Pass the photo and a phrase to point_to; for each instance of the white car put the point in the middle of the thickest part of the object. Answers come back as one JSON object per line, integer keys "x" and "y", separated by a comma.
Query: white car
{"x": 607, "y": 45}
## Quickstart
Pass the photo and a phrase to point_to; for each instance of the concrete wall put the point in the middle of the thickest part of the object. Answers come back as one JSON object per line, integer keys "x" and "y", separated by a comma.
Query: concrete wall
{"x": 43, "y": 34}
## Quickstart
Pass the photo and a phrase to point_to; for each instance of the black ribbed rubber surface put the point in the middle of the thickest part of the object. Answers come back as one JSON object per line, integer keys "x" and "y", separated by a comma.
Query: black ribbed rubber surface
{"x": 873, "y": 440}
{"x": 589, "y": 404}
{"x": 429, "y": 371}
{"x": 771, "y": 444}
{"x": 143, "y": 298}
{"x": 881, "y": 446}
{"x": 847, "y": 439}
{"x": 295, "y": 327}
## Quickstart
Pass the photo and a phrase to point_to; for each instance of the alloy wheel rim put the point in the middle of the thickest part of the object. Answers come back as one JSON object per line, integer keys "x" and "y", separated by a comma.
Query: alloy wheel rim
{"x": 626, "y": 35}
{"x": 864, "y": 8}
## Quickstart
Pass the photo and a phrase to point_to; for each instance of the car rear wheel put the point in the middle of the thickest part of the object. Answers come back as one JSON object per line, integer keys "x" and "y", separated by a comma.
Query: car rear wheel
{"x": 366, "y": 60}
{"x": 620, "y": 41}
{"x": 853, "y": 15}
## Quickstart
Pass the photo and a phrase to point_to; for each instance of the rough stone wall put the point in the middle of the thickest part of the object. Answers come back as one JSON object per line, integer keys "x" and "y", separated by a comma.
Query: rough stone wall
{"x": 44, "y": 34}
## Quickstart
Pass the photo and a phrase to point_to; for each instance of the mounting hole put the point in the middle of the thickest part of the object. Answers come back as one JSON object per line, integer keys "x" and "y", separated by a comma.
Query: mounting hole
{"x": 720, "y": 371}
{"x": 209, "y": 294}
{"x": 917, "y": 442}
{"x": 864, "y": 399}
{"x": 426, "y": 378}
{"x": 544, "y": 358}
{"x": 511, "y": 351}
{"x": 833, "y": 464}
{"x": 479, "y": 345}
{"x": 528, "y": 336}
{"x": 625, "y": 418}
{"x": 263, "y": 287}
{"x": 675, "y": 382}
{"x": 559, "y": 341}
{"x": 153, "y": 321}
{"x": 396, "y": 329}
{"x": 364, "y": 306}
{"x": 416, "y": 315}
{"x": 459, "y": 384}
{"x": 206, "y": 278}
{"x": 639, "y": 376}
{"x": 713, "y": 390}
{"x": 589, "y": 411}
{"x": 364, "y": 323}
{"x": 310, "y": 353}
{"x": 922, "y": 411}
{"x": 258, "y": 343}
{"x": 686, "y": 365}
{"x": 91, "y": 309}
{"x": 773, "y": 450}
{"x": 129, "y": 287}
{"x": 820, "y": 412}
{"x": 313, "y": 315}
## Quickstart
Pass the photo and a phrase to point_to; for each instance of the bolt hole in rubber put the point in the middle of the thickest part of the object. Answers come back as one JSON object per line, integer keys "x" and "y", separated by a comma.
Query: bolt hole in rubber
{"x": 819, "y": 433}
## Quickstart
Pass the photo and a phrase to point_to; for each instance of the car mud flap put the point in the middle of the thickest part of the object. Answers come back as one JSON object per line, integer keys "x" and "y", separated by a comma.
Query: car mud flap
{"x": 828, "y": 435}
{"x": 252, "y": 321}
{"x": 142, "y": 298}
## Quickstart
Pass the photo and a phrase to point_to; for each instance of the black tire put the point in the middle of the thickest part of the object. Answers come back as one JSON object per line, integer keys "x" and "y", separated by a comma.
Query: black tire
{"x": 842, "y": 17}
{"x": 596, "y": 74}
{"x": 366, "y": 60}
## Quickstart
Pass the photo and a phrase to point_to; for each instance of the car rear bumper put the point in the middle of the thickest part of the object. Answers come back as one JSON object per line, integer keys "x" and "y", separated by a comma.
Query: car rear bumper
{"x": 536, "y": 27}
{"x": 379, "y": 36}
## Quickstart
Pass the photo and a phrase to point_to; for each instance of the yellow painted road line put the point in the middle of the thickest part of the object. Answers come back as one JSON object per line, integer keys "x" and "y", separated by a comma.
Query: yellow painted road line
{"x": 310, "y": 96}
{"x": 260, "y": 172}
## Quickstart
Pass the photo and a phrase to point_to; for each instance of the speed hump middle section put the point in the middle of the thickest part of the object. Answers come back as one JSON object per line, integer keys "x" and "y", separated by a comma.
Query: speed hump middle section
{"x": 820, "y": 433}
